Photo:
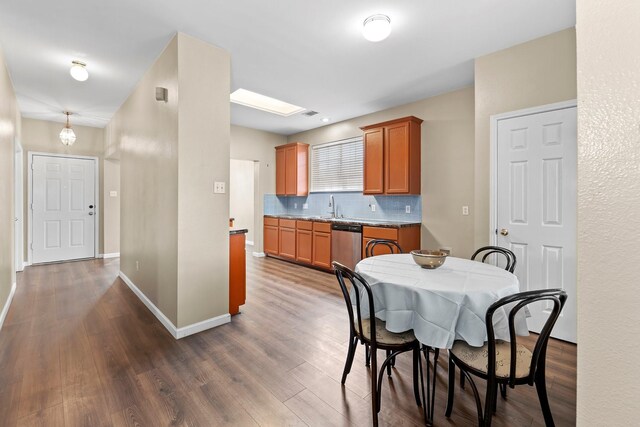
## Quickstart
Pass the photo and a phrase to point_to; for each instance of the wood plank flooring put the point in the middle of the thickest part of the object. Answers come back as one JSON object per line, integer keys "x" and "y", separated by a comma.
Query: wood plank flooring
{"x": 79, "y": 349}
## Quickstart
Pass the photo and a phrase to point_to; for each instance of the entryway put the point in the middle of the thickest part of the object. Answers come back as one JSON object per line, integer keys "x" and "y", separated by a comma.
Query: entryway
{"x": 62, "y": 207}
{"x": 534, "y": 210}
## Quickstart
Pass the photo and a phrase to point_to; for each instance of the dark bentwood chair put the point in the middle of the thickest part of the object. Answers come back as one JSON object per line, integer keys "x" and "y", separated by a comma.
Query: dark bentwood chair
{"x": 360, "y": 329}
{"x": 504, "y": 363}
{"x": 393, "y": 247}
{"x": 488, "y": 250}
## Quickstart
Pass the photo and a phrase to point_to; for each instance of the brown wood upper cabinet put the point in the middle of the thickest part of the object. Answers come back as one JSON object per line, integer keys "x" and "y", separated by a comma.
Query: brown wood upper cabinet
{"x": 392, "y": 157}
{"x": 292, "y": 169}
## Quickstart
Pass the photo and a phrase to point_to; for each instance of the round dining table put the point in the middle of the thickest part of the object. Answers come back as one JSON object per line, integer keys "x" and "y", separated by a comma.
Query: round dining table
{"x": 440, "y": 305}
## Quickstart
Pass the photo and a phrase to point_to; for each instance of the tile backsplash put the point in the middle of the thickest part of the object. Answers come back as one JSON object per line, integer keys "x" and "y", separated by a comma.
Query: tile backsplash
{"x": 348, "y": 204}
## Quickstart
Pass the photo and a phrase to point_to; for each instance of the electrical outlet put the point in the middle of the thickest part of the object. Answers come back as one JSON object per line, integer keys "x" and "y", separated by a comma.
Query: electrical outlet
{"x": 373, "y": 207}
{"x": 295, "y": 206}
{"x": 407, "y": 209}
{"x": 465, "y": 210}
{"x": 218, "y": 187}
{"x": 113, "y": 193}
{"x": 305, "y": 206}
{"x": 137, "y": 266}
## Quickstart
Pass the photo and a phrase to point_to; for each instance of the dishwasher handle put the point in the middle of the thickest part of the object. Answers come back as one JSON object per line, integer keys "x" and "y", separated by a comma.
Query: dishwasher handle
{"x": 347, "y": 227}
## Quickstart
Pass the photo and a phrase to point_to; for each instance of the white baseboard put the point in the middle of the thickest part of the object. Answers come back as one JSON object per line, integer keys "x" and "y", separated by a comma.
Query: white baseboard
{"x": 26, "y": 264}
{"x": 168, "y": 324}
{"x": 259, "y": 254}
{"x": 111, "y": 255}
{"x": 7, "y": 304}
{"x": 249, "y": 243}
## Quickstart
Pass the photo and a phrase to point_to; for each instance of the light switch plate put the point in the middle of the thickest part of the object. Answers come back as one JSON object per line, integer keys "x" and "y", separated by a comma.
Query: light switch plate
{"x": 113, "y": 194}
{"x": 218, "y": 187}
{"x": 465, "y": 210}
{"x": 373, "y": 207}
{"x": 305, "y": 206}
{"x": 407, "y": 209}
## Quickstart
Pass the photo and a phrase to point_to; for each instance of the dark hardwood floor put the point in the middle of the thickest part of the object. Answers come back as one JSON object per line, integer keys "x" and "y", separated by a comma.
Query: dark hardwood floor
{"x": 79, "y": 349}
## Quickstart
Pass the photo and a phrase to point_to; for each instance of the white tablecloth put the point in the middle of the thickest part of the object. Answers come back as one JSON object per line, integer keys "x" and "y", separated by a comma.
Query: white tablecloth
{"x": 441, "y": 305}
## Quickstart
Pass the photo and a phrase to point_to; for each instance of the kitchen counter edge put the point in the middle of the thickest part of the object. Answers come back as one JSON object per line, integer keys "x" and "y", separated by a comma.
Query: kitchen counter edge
{"x": 376, "y": 223}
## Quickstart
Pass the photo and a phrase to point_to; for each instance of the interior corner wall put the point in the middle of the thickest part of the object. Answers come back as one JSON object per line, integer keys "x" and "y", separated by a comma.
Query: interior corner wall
{"x": 9, "y": 131}
{"x": 258, "y": 146}
{"x": 608, "y": 212}
{"x": 111, "y": 206}
{"x": 203, "y": 158}
{"x": 446, "y": 165}
{"x": 43, "y": 136}
{"x": 538, "y": 72}
{"x": 145, "y": 134}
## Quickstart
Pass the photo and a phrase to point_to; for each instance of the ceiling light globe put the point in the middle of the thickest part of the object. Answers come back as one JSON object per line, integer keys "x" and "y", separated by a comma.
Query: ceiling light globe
{"x": 79, "y": 71}
{"x": 67, "y": 136}
{"x": 376, "y": 28}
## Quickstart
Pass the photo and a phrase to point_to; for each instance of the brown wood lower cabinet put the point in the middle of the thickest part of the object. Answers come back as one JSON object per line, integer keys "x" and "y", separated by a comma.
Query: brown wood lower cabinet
{"x": 407, "y": 237}
{"x": 322, "y": 249}
{"x": 287, "y": 236}
{"x": 271, "y": 236}
{"x": 304, "y": 242}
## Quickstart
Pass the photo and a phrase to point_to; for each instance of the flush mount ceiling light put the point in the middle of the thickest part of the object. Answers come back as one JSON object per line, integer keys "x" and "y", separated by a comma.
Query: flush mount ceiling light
{"x": 376, "y": 28}
{"x": 325, "y": 120}
{"x": 79, "y": 71}
{"x": 264, "y": 103}
{"x": 67, "y": 135}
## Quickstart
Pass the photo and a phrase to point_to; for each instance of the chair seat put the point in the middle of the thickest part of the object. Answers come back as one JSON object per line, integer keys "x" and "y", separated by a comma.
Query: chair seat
{"x": 477, "y": 358}
{"x": 383, "y": 336}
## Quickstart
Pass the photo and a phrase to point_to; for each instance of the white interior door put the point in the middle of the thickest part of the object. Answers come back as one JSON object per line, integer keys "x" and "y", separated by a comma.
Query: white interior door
{"x": 63, "y": 208}
{"x": 536, "y": 206}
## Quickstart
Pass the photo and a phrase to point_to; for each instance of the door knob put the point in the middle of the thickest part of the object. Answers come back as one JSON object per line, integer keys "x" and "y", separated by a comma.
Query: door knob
{"x": 90, "y": 213}
{"x": 90, "y": 206}
{"x": 504, "y": 232}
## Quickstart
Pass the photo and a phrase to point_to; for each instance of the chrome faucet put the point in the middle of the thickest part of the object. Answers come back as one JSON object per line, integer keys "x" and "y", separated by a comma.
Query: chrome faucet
{"x": 332, "y": 205}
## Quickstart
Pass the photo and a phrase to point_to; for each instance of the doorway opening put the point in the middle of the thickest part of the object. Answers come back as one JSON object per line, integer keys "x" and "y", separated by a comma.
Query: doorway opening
{"x": 242, "y": 196}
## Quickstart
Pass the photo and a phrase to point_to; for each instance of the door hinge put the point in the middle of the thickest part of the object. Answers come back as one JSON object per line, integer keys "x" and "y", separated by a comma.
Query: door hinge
{"x": 33, "y": 166}
{"x": 31, "y": 245}
{"x": 31, "y": 206}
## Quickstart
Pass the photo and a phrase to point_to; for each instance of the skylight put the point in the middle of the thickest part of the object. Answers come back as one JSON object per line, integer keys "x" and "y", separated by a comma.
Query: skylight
{"x": 264, "y": 103}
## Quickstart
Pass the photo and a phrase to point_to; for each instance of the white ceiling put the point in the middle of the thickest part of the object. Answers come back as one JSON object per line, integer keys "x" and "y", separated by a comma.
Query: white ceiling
{"x": 309, "y": 53}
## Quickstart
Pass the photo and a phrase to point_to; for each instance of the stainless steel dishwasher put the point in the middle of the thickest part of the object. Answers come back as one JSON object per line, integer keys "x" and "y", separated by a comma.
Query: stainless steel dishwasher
{"x": 346, "y": 244}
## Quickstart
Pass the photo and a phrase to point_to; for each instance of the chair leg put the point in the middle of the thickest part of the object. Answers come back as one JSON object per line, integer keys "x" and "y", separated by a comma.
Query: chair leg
{"x": 389, "y": 364}
{"x": 451, "y": 386}
{"x": 489, "y": 403}
{"x": 495, "y": 398}
{"x": 416, "y": 366}
{"x": 353, "y": 343}
{"x": 503, "y": 391}
{"x": 374, "y": 388}
{"x": 541, "y": 388}
{"x": 367, "y": 355}
{"x": 461, "y": 380}
{"x": 385, "y": 365}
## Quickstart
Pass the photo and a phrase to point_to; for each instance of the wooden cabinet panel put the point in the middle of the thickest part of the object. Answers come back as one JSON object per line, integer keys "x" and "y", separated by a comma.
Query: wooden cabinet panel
{"x": 292, "y": 169}
{"x": 237, "y": 272}
{"x": 323, "y": 227}
{"x": 287, "y": 223}
{"x": 373, "y": 168}
{"x": 392, "y": 163}
{"x": 322, "y": 250}
{"x": 280, "y": 172}
{"x": 271, "y": 221}
{"x": 396, "y": 169}
{"x": 287, "y": 242}
{"x": 271, "y": 240}
{"x": 304, "y": 246}
{"x": 304, "y": 225}
{"x": 407, "y": 237}
{"x": 380, "y": 233}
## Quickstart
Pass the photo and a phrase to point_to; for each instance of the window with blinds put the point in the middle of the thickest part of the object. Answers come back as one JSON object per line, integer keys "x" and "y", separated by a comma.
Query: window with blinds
{"x": 337, "y": 166}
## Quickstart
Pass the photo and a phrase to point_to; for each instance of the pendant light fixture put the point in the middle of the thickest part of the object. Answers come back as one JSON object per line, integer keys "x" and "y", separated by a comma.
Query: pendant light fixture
{"x": 67, "y": 136}
{"x": 376, "y": 28}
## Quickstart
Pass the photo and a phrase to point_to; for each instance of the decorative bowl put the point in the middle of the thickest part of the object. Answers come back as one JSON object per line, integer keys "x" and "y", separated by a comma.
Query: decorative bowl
{"x": 429, "y": 259}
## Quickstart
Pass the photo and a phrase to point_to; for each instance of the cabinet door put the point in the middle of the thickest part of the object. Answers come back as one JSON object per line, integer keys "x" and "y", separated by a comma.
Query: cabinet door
{"x": 304, "y": 246}
{"x": 322, "y": 250}
{"x": 291, "y": 171}
{"x": 271, "y": 240}
{"x": 280, "y": 172}
{"x": 373, "y": 169}
{"x": 396, "y": 141}
{"x": 288, "y": 243}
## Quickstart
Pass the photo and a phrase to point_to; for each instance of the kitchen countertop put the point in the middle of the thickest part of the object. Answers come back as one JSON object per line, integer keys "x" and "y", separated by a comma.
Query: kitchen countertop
{"x": 238, "y": 231}
{"x": 350, "y": 221}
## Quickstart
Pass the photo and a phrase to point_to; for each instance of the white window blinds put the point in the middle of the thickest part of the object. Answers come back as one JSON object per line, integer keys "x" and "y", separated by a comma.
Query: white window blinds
{"x": 337, "y": 166}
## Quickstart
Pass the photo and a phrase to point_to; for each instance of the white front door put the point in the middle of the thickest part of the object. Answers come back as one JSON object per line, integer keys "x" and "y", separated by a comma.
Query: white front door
{"x": 536, "y": 206}
{"x": 64, "y": 208}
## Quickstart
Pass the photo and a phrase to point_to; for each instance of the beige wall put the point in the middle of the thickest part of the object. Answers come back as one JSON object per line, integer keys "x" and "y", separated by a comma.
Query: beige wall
{"x": 542, "y": 71}
{"x": 146, "y": 134}
{"x": 111, "y": 207}
{"x": 447, "y": 162}
{"x": 258, "y": 146}
{"x": 203, "y": 157}
{"x": 43, "y": 136}
{"x": 9, "y": 131}
{"x": 173, "y": 229}
{"x": 608, "y": 212}
{"x": 241, "y": 195}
